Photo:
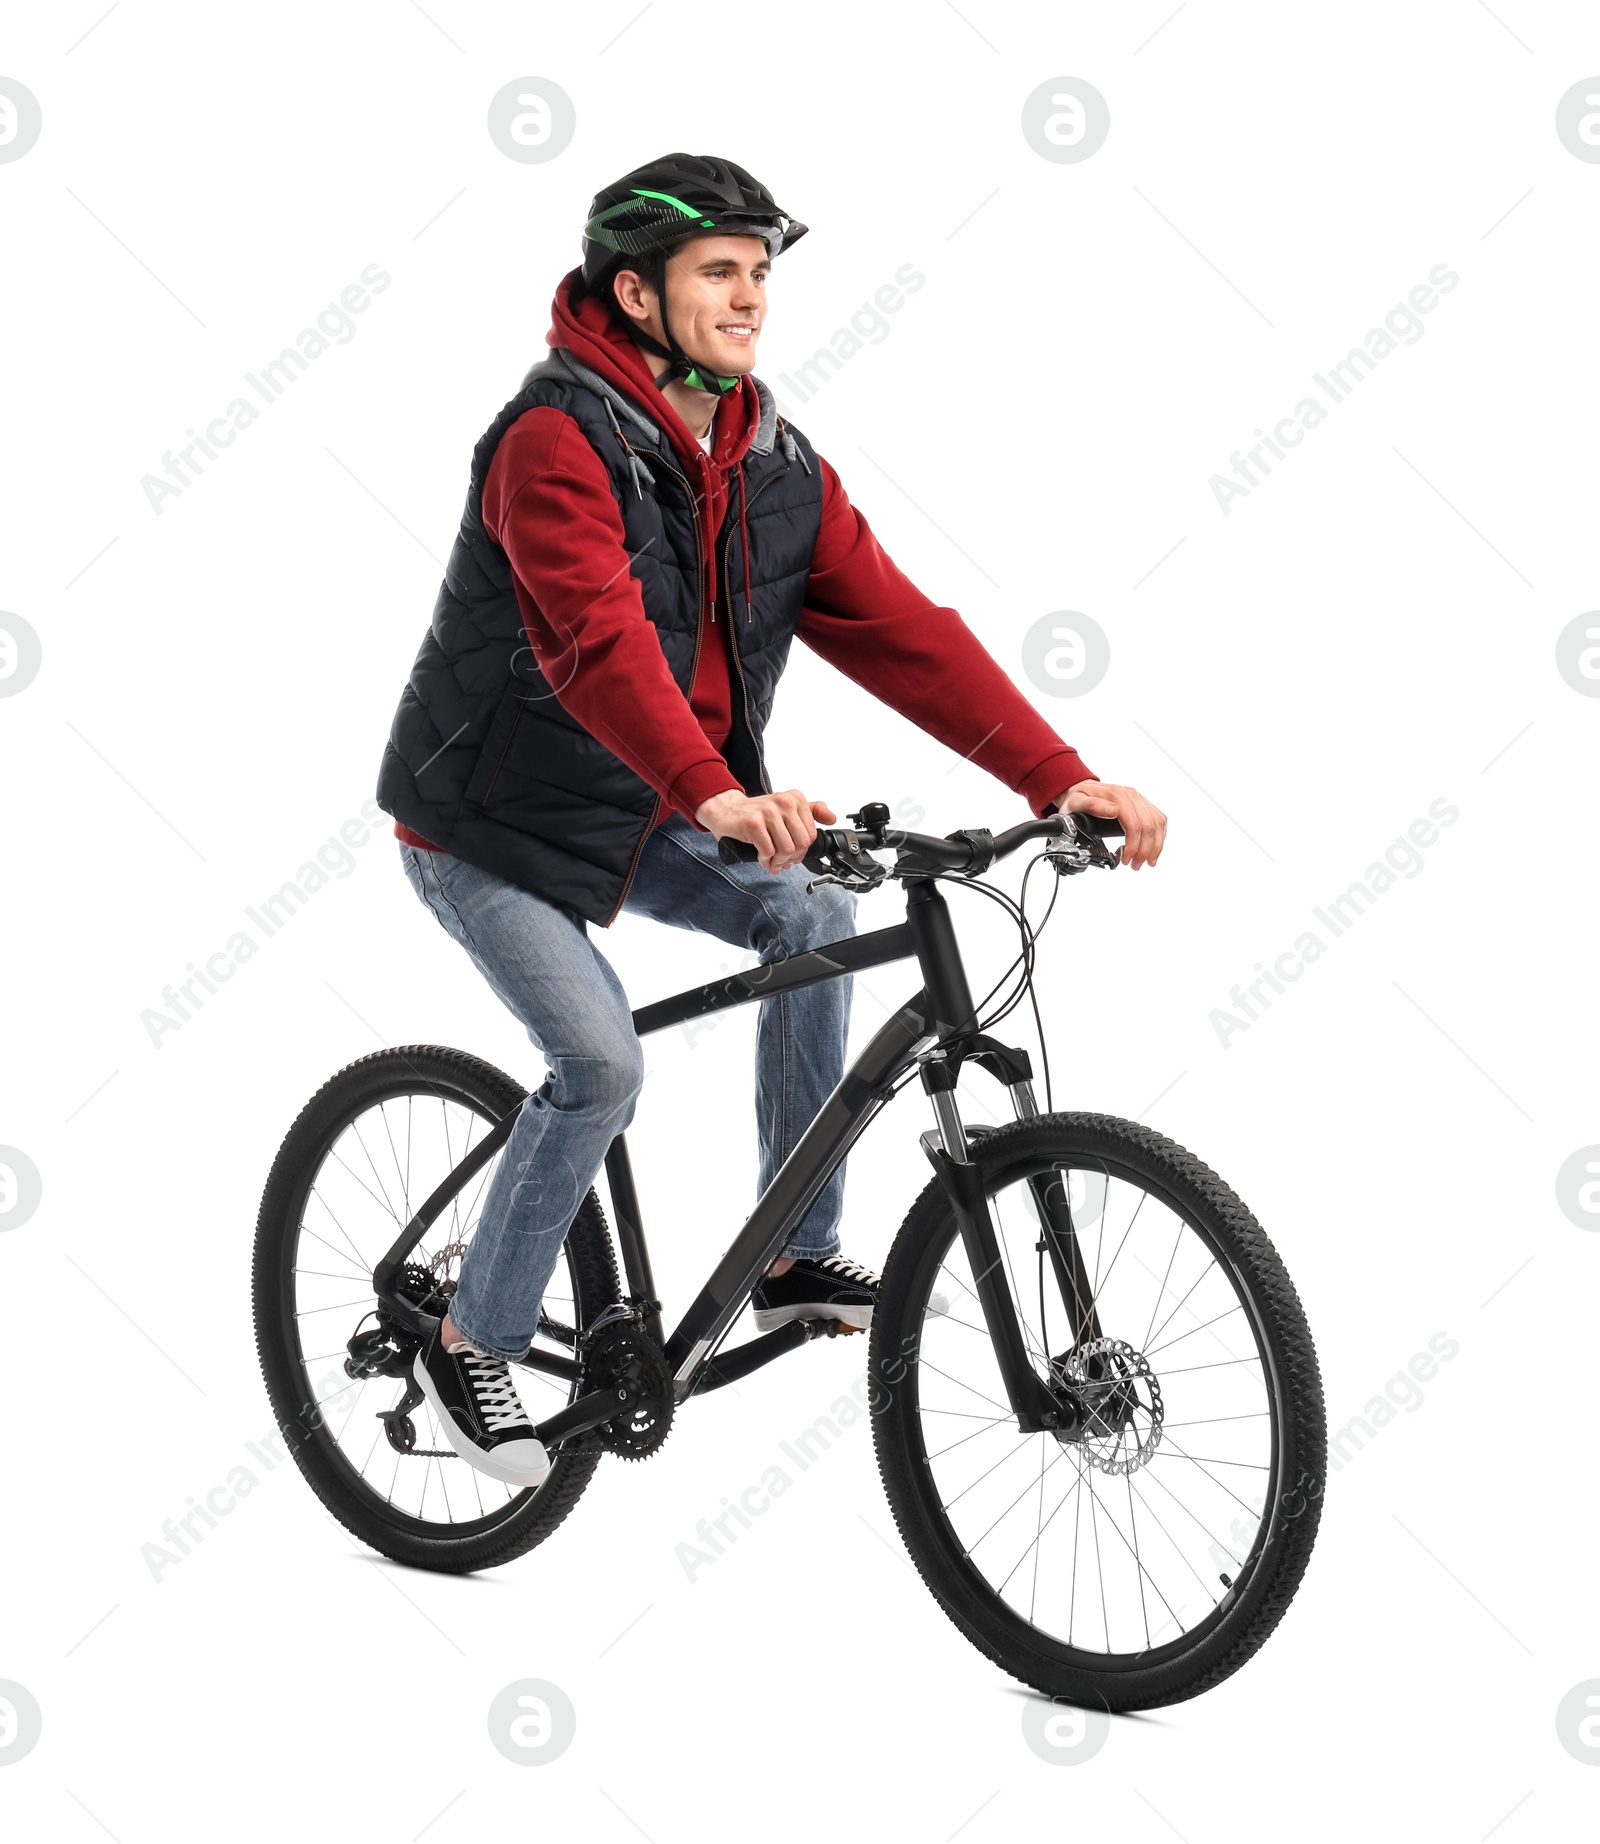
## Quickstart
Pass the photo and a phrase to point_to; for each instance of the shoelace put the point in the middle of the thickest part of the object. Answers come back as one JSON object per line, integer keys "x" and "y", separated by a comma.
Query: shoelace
{"x": 493, "y": 1390}
{"x": 851, "y": 1270}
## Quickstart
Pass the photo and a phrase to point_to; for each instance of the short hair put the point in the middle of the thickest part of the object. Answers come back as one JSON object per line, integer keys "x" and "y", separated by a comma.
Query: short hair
{"x": 650, "y": 267}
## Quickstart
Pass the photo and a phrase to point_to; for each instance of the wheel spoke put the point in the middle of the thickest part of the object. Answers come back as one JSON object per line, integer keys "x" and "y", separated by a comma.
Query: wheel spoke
{"x": 1138, "y": 1561}
{"x": 377, "y": 1178}
{"x": 994, "y": 1423}
{"x": 1016, "y": 1501}
{"x": 1161, "y": 1294}
{"x": 1186, "y": 1370}
{"x": 1102, "y": 1284}
{"x": 405, "y": 1189}
{"x": 1010, "y": 1453}
{"x": 364, "y": 1266}
{"x": 1235, "y": 1308}
{"x": 1179, "y": 1307}
{"x": 376, "y": 1196}
{"x": 1211, "y": 1460}
{"x": 923, "y": 1364}
{"x": 1072, "y": 1491}
{"x": 1178, "y": 1548}
{"x": 1180, "y": 1454}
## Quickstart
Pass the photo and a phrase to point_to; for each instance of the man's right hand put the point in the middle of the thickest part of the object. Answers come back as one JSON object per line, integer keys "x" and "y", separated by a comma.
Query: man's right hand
{"x": 781, "y": 827}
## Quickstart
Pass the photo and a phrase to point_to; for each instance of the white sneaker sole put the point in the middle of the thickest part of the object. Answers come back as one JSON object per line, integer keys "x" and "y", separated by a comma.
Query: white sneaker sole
{"x": 769, "y": 1318}
{"x": 534, "y": 1473}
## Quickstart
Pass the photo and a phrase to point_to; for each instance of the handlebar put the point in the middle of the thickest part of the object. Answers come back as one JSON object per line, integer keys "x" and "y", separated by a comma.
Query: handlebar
{"x": 839, "y": 854}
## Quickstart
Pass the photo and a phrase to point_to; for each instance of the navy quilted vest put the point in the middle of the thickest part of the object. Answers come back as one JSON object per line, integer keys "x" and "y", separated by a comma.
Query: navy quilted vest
{"x": 483, "y": 760}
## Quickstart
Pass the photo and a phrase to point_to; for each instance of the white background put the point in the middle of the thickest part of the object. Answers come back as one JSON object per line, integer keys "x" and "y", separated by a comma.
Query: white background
{"x": 1369, "y": 631}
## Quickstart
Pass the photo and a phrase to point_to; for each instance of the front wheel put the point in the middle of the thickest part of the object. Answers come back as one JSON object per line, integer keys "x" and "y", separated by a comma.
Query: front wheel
{"x": 1145, "y": 1557}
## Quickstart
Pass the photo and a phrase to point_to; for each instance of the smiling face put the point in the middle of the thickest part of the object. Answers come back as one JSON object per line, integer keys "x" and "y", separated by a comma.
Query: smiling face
{"x": 716, "y": 289}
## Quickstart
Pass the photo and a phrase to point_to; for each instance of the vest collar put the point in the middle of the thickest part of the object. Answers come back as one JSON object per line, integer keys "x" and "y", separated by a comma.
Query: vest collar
{"x": 561, "y": 364}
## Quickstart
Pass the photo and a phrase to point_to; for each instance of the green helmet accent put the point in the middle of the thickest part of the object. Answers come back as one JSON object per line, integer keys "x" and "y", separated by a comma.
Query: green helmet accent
{"x": 667, "y": 199}
{"x": 626, "y": 240}
{"x": 717, "y": 387}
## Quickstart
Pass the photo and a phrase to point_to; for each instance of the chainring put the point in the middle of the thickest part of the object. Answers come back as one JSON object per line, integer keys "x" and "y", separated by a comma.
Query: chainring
{"x": 1112, "y": 1403}
{"x": 622, "y": 1355}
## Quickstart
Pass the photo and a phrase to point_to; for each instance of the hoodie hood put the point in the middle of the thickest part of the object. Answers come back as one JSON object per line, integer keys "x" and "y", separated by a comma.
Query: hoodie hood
{"x": 584, "y": 330}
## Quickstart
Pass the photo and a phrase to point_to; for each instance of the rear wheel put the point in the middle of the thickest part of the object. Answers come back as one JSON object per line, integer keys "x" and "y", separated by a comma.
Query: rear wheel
{"x": 367, "y": 1149}
{"x": 1145, "y": 1559}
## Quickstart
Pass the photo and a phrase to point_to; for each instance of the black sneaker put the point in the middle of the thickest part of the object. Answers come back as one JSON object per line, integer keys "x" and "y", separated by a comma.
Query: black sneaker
{"x": 478, "y": 1408}
{"x": 833, "y": 1288}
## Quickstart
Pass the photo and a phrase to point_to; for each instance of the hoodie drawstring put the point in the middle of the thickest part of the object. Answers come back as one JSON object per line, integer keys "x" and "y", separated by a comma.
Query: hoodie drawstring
{"x": 791, "y": 453}
{"x": 636, "y": 467}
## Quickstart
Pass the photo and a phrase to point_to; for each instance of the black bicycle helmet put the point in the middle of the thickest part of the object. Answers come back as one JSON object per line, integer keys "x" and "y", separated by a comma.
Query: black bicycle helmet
{"x": 661, "y": 203}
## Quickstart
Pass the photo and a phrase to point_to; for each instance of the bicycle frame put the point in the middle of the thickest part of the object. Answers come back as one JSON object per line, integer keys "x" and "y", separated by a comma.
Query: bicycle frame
{"x": 936, "y": 1028}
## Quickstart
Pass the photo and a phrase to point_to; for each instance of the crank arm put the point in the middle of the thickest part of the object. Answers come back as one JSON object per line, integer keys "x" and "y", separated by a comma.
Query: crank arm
{"x": 591, "y": 1411}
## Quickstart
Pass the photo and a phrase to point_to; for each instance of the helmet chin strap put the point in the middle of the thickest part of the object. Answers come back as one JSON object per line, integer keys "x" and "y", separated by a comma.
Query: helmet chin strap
{"x": 697, "y": 377}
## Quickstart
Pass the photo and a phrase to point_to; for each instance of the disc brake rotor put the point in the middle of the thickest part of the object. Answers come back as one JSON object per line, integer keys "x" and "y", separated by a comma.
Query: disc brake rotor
{"x": 1121, "y": 1402}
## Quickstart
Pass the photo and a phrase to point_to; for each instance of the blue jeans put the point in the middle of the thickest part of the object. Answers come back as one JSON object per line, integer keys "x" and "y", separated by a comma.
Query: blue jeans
{"x": 541, "y": 963}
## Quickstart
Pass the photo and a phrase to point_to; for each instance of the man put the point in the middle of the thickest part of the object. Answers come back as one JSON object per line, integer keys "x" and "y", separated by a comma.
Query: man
{"x": 643, "y": 538}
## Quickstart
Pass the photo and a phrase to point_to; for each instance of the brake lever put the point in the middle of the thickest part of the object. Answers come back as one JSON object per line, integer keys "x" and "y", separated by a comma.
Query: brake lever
{"x": 1081, "y": 851}
{"x": 849, "y": 866}
{"x": 849, "y": 883}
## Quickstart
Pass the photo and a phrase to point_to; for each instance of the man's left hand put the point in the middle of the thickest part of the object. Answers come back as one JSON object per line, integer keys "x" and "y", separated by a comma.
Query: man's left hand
{"x": 1144, "y": 826}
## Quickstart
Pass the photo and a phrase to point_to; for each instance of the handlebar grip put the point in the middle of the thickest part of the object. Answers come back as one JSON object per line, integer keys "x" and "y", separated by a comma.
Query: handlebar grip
{"x": 736, "y": 851}
{"x": 1102, "y": 829}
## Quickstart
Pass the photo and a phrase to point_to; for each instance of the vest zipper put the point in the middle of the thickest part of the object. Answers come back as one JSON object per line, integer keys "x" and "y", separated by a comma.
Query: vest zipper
{"x": 633, "y": 862}
{"x": 694, "y": 661}
{"x": 505, "y": 750}
{"x": 733, "y": 634}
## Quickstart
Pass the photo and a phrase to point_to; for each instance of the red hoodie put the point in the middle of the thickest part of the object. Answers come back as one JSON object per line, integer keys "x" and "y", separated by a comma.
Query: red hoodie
{"x": 548, "y": 504}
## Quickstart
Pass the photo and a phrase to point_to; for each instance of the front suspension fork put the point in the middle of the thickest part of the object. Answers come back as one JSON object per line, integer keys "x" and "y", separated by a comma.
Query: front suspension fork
{"x": 1032, "y": 1402}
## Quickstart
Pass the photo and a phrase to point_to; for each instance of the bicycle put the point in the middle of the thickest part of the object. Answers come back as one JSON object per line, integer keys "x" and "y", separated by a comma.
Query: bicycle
{"x": 1157, "y": 1354}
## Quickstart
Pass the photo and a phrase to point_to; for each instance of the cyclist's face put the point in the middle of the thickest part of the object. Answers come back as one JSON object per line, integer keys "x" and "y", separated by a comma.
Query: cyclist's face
{"x": 717, "y": 300}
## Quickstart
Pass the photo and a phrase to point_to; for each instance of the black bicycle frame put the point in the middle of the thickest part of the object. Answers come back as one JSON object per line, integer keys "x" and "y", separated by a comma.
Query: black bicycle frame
{"x": 937, "y": 1028}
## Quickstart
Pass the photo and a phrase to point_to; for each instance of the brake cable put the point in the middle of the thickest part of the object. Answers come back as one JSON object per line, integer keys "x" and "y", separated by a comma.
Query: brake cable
{"x": 1029, "y": 935}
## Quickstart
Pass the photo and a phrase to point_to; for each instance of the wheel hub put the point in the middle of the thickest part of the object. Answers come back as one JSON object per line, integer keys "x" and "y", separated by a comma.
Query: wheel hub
{"x": 1118, "y": 1398}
